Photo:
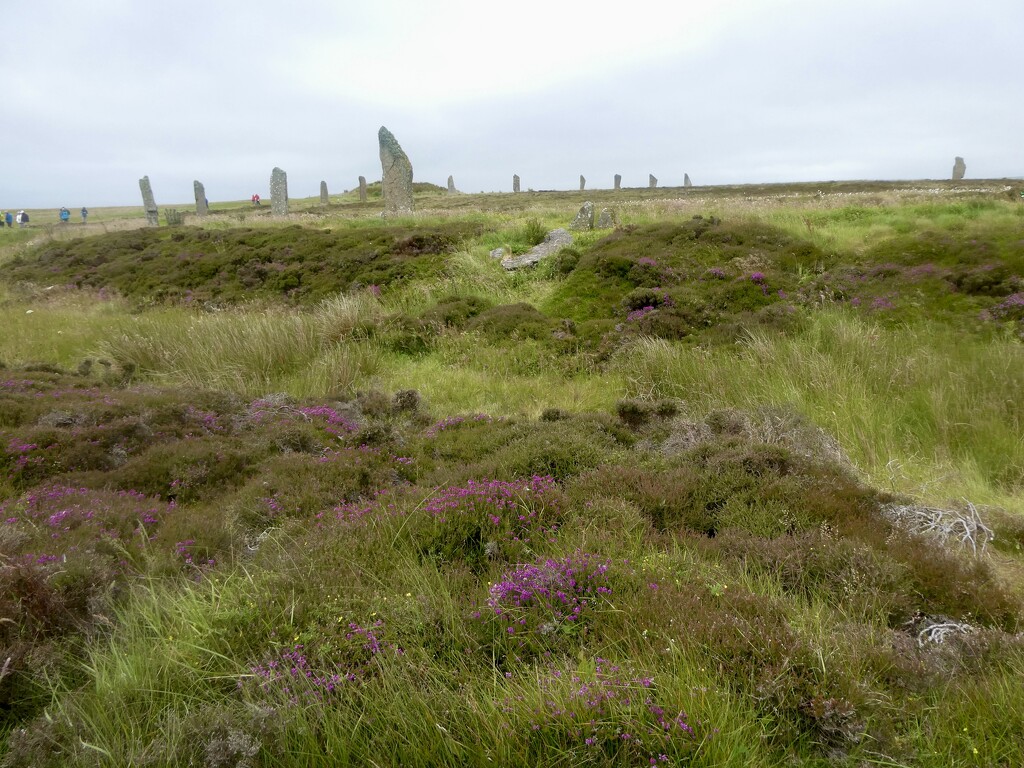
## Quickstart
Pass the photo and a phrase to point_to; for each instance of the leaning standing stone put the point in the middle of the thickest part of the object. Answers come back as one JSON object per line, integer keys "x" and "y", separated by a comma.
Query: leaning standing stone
{"x": 202, "y": 207}
{"x": 278, "y": 192}
{"x": 152, "y": 214}
{"x": 584, "y": 218}
{"x": 618, "y": 181}
{"x": 515, "y": 183}
{"x": 652, "y": 181}
{"x": 686, "y": 180}
{"x": 451, "y": 185}
{"x": 396, "y": 186}
{"x": 959, "y": 169}
{"x": 324, "y": 198}
{"x": 362, "y": 189}
{"x": 583, "y": 183}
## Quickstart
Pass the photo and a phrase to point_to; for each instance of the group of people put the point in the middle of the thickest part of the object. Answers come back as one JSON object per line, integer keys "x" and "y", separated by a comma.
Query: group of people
{"x": 10, "y": 219}
{"x": 21, "y": 218}
{"x": 65, "y": 214}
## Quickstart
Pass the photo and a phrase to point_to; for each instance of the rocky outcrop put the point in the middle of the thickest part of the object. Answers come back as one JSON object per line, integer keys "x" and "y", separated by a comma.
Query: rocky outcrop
{"x": 554, "y": 241}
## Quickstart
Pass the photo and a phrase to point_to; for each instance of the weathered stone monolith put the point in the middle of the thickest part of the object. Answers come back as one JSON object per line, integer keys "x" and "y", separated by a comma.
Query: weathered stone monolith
{"x": 584, "y": 218}
{"x": 607, "y": 219}
{"x": 652, "y": 181}
{"x": 618, "y": 181}
{"x": 202, "y": 207}
{"x": 583, "y": 183}
{"x": 451, "y": 185}
{"x": 515, "y": 183}
{"x": 396, "y": 186}
{"x": 959, "y": 169}
{"x": 152, "y": 214}
{"x": 278, "y": 192}
{"x": 686, "y": 180}
{"x": 362, "y": 189}
{"x": 324, "y": 197}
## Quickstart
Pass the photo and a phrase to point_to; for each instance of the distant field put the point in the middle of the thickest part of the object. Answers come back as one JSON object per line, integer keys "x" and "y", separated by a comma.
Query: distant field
{"x": 739, "y": 481}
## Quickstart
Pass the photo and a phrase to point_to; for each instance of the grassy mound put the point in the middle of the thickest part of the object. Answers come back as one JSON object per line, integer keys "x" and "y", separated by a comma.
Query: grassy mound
{"x": 291, "y": 263}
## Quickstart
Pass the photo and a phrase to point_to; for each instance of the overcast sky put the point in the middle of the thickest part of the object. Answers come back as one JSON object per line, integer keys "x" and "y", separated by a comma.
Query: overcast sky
{"x": 95, "y": 95}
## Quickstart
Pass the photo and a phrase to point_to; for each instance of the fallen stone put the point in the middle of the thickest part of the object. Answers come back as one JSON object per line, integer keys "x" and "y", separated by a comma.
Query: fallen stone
{"x": 362, "y": 189}
{"x": 149, "y": 203}
{"x": 324, "y": 198}
{"x": 608, "y": 219}
{"x": 959, "y": 169}
{"x": 278, "y": 192}
{"x": 554, "y": 241}
{"x": 396, "y": 184}
{"x": 584, "y": 217}
{"x": 202, "y": 207}
{"x": 497, "y": 253}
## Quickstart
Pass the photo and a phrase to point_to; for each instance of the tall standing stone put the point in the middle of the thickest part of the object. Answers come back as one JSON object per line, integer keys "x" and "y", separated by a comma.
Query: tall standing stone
{"x": 515, "y": 182}
{"x": 152, "y": 214}
{"x": 202, "y": 207}
{"x": 959, "y": 169}
{"x": 652, "y": 181}
{"x": 583, "y": 183}
{"x": 278, "y": 192}
{"x": 396, "y": 186}
{"x": 451, "y": 185}
{"x": 686, "y": 180}
{"x": 618, "y": 181}
{"x": 362, "y": 189}
{"x": 324, "y": 198}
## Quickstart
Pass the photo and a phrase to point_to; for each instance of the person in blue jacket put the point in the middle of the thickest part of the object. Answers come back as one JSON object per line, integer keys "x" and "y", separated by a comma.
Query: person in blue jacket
{"x": 65, "y": 214}
{"x": 9, "y": 219}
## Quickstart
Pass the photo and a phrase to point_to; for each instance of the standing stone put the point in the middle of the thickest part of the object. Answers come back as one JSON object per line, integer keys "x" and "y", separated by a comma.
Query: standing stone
{"x": 152, "y": 214}
{"x": 324, "y": 198}
{"x": 396, "y": 186}
{"x": 202, "y": 207}
{"x": 515, "y": 183}
{"x": 362, "y": 189}
{"x": 652, "y": 181}
{"x": 618, "y": 181}
{"x": 607, "y": 219}
{"x": 959, "y": 169}
{"x": 451, "y": 185}
{"x": 686, "y": 180}
{"x": 584, "y": 218}
{"x": 278, "y": 192}
{"x": 583, "y": 183}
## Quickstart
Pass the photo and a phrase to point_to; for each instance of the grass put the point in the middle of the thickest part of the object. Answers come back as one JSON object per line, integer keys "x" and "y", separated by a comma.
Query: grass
{"x": 630, "y": 507}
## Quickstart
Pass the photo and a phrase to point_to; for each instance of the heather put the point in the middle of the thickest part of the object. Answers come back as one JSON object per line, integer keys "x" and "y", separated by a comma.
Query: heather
{"x": 737, "y": 483}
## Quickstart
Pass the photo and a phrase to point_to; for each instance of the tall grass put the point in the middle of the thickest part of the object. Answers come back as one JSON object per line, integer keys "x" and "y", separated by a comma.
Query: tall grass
{"x": 250, "y": 353}
{"x": 918, "y": 409}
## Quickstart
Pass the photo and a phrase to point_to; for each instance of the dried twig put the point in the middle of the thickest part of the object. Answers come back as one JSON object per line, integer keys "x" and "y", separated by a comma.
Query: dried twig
{"x": 967, "y": 528}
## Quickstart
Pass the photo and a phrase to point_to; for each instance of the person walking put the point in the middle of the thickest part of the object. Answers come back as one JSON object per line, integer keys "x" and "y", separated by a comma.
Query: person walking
{"x": 9, "y": 219}
{"x": 85, "y": 212}
{"x": 65, "y": 215}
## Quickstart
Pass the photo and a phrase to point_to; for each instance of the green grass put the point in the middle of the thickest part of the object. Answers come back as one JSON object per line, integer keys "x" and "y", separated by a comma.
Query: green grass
{"x": 688, "y": 430}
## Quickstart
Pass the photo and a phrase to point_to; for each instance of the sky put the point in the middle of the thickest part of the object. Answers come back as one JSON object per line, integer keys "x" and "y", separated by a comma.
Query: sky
{"x": 96, "y": 95}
